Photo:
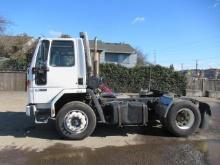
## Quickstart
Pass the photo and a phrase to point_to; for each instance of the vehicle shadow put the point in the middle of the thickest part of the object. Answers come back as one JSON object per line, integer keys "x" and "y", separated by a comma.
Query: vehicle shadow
{"x": 17, "y": 124}
{"x": 153, "y": 129}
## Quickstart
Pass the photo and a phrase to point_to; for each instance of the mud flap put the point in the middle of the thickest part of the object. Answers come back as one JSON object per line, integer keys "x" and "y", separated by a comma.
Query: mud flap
{"x": 206, "y": 113}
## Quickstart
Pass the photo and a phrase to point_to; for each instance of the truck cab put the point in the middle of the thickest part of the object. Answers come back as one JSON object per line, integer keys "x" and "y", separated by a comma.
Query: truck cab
{"x": 58, "y": 64}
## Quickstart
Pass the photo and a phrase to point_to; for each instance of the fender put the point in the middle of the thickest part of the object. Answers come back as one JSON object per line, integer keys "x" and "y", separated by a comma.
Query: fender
{"x": 164, "y": 105}
{"x": 69, "y": 91}
{"x": 59, "y": 95}
{"x": 166, "y": 102}
{"x": 203, "y": 107}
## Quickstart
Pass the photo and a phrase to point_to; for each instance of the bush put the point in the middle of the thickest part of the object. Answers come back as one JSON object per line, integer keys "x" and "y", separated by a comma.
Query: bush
{"x": 15, "y": 49}
{"x": 122, "y": 79}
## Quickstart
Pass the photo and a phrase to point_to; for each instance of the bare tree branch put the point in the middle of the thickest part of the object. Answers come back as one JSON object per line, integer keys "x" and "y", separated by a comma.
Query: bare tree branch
{"x": 3, "y": 23}
{"x": 141, "y": 57}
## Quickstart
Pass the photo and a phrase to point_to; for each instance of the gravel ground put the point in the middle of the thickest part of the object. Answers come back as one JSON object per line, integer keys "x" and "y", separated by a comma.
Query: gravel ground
{"x": 23, "y": 142}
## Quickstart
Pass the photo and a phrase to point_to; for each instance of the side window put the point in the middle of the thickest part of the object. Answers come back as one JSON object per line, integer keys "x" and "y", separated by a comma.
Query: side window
{"x": 41, "y": 63}
{"x": 62, "y": 54}
{"x": 42, "y": 54}
{"x": 117, "y": 58}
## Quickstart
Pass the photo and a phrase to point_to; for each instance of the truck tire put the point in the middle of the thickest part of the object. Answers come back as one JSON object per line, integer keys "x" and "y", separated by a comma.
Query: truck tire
{"x": 75, "y": 120}
{"x": 183, "y": 119}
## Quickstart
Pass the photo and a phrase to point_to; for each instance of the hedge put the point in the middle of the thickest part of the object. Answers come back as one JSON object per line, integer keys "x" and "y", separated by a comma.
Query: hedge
{"x": 122, "y": 79}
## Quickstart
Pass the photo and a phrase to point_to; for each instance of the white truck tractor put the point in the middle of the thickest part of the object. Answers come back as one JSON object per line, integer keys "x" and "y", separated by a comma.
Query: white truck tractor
{"x": 63, "y": 83}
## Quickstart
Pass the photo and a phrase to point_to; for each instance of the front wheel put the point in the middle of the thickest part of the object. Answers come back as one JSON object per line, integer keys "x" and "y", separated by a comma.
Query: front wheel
{"x": 183, "y": 119}
{"x": 75, "y": 120}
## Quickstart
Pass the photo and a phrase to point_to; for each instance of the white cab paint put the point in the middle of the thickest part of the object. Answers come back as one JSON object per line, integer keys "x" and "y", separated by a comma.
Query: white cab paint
{"x": 59, "y": 79}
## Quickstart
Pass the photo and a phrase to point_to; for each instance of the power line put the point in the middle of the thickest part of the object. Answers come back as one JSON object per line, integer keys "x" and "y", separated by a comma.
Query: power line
{"x": 193, "y": 59}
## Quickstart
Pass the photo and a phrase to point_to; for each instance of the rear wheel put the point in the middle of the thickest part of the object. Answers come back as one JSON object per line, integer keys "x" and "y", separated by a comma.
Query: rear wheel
{"x": 183, "y": 119}
{"x": 76, "y": 120}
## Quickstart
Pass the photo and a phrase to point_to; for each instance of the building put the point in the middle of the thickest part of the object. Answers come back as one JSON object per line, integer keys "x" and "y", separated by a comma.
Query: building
{"x": 117, "y": 53}
{"x": 212, "y": 73}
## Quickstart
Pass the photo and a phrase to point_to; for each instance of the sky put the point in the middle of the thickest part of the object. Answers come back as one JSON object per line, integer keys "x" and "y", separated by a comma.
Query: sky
{"x": 177, "y": 32}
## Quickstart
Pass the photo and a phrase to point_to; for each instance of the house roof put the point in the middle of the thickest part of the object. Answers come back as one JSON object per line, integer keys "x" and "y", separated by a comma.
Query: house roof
{"x": 112, "y": 47}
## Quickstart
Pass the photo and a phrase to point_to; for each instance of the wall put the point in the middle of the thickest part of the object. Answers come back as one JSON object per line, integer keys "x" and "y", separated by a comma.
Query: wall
{"x": 12, "y": 81}
{"x": 132, "y": 60}
{"x": 203, "y": 87}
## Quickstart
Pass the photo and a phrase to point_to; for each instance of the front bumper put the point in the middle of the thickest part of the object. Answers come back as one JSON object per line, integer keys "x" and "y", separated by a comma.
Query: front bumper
{"x": 31, "y": 110}
{"x": 40, "y": 115}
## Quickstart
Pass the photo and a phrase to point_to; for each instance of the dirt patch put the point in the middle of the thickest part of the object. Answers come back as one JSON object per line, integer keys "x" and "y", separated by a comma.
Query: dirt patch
{"x": 167, "y": 153}
{"x": 23, "y": 142}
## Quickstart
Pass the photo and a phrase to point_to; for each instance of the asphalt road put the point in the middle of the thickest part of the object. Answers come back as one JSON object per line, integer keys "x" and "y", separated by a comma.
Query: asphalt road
{"x": 23, "y": 142}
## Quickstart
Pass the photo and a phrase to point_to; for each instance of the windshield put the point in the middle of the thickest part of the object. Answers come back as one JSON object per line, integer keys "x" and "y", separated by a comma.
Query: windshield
{"x": 42, "y": 54}
{"x": 62, "y": 54}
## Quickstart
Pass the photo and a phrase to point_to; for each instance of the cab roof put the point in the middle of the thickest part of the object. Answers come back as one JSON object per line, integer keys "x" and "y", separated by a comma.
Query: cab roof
{"x": 60, "y": 39}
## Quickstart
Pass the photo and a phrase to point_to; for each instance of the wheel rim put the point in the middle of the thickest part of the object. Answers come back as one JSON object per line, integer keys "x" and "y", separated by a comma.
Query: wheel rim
{"x": 185, "y": 118}
{"x": 76, "y": 121}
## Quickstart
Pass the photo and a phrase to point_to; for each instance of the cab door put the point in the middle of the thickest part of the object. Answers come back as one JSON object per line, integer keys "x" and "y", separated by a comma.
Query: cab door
{"x": 55, "y": 69}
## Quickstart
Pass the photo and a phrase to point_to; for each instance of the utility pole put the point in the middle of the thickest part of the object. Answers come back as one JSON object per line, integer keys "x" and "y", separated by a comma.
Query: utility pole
{"x": 155, "y": 57}
{"x": 196, "y": 68}
{"x": 149, "y": 85}
{"x": 182, "y": 67}
{"x": 196, "y": 65}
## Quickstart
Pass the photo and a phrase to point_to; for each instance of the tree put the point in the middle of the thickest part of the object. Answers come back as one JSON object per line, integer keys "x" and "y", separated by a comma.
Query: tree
{"x": 141, "y": 57}
{"x": 172, "y": 67}
{"x": 18, "y": 50}
{"x": 3, "y": 23}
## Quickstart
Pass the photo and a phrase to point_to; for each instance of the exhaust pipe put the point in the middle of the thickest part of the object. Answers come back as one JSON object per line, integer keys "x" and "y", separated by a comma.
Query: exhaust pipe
{"x": 89, "y": 64}
{"x": 92, "y": 63}
{"x": 96, "y": 58}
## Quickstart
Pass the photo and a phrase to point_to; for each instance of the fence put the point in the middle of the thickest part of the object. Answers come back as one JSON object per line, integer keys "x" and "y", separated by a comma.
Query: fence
{"x": 16, "y": 81}
{"x": 203, "y": 87}
{"x": 12, "y": 81}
